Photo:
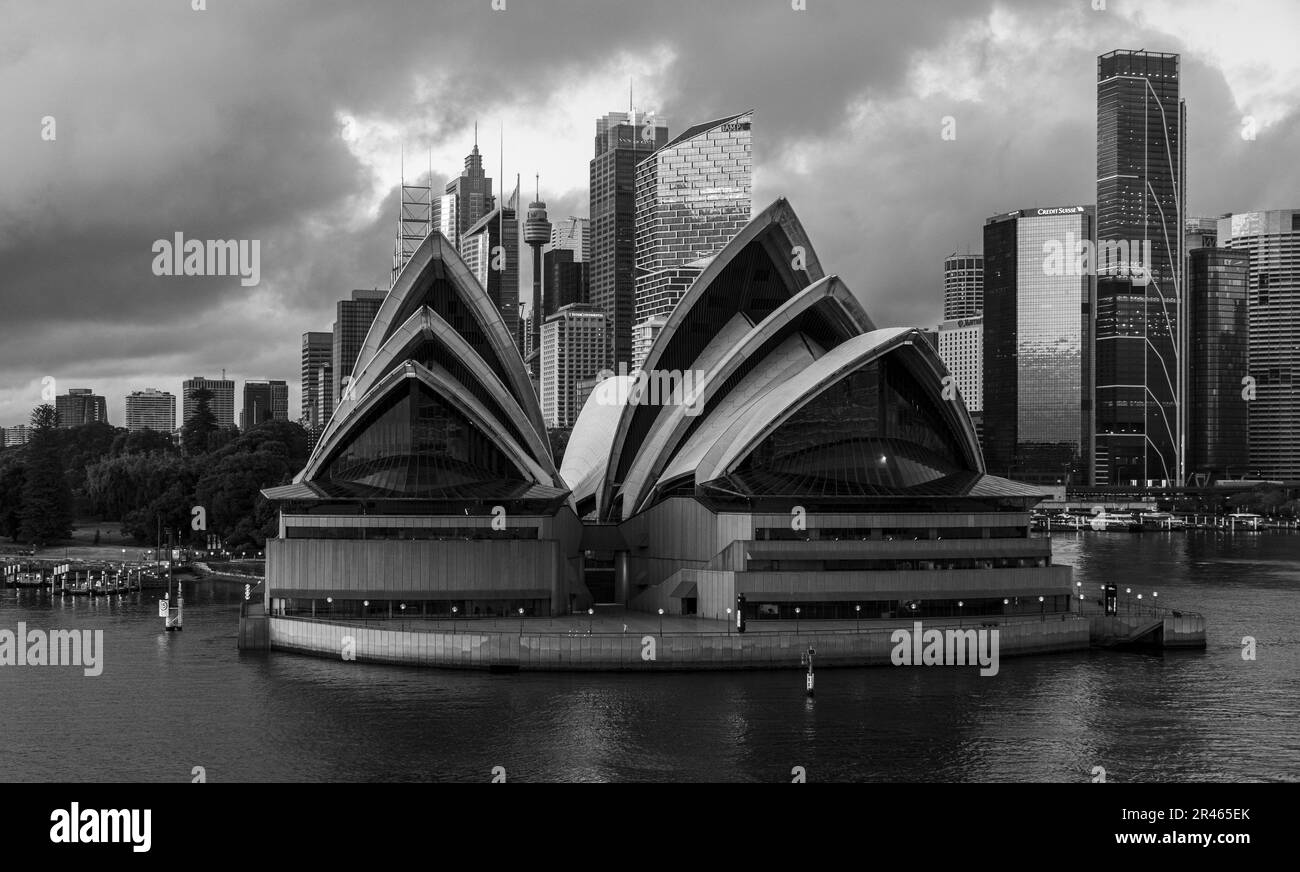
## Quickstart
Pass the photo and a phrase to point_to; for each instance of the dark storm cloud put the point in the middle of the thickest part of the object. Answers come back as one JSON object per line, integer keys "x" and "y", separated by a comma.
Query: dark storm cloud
{"x": 224, "y": 124}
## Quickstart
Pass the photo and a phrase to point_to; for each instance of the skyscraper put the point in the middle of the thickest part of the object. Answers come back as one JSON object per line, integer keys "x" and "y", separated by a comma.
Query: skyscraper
{"x": 960, "y": 343}
{"x": 565, "y": 280}
{"x": 1272, "y": 241}
{"x": 692, "y": 196}
{"x": 352, "y": 321}
{"x": 151, "y": 409}
{"x": 80, "y": 406}
{"x": 1141, "y": 192}
{"x": 1217, "y": 349}
{"x": 573, "y": 234}
{"x": 573, "y": 348}
{"x": 264, "y": 400}
{"x": 1037, "y": 421}
{"x": 317, "y": 380}
{"x": 222, "y": 403}
{"x": 497, "y": 271}
{"x": 622, "y": 141}
{"x": 467, "y": 198}
{"x": 963, "y": 286}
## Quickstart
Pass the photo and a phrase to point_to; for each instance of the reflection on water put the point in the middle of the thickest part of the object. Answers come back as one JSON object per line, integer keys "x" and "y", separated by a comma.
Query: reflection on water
{"x": 170, "y": 701}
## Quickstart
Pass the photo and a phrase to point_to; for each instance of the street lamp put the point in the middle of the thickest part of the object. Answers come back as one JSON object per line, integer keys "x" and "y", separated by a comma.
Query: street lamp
{"x": 959, "y": 605}
{"x": 1042, "y": 610}
{"x": 330, "y": 601}
{"x": 728, "y": 622}
{"x": 857, "y": 612}
{"x": 454, "y": 610}
{"x": 402, "y": 606}
{"x": 365, "y": 614}
{"x": 590, "y": 618}
{"x": 521, "y": 620}
{"x": 796, "y": 620}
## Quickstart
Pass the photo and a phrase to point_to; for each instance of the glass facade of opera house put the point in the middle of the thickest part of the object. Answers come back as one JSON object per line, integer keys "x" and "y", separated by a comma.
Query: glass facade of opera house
{"x": 817, "y": 466}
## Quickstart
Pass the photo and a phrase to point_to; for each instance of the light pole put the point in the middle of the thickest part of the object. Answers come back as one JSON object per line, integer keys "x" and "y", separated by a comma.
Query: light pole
{"x": 796, "y": 620}
{"x": 454, "y": 610}
{"x": 521, "y": 620}
{"x": 330, "y": 601}
{"x": 365, "y": 614}
{"x": 728, "y": 622}
{"x": 402, "y": 606}
{"x": 590, "y": 618}
{"x": 1128, "y": 605}
{"x": 959, "y": 605}
{"x": 661, "y": 622}
{"x": 1042, "y": 610}
{"x": 1139, "y": 604}
{"x": 857, "y": 613}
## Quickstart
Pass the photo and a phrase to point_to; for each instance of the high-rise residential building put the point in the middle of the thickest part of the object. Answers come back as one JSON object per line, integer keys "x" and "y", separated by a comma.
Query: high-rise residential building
{"x": 317, "y": 380}
{"x": 1037, "y": 365}
{"x": 1140, "y": 338}
{"x": 151, "y": 409}
{"x": 565, "y": 280}
{"x": 1272, "y": 241}
{"x": 222, "y": 403}
{"x": 643, "y": 337}
{"x": 960, "y": 342}
{"x": 573, "y": 348}
{"x": 352, "y": 321}
{"x": 18, "y": 435}
{"x": 497, "y": 271}
{"x": 692, "y": 196}
{"x": 572, "y": 234}
{"x": 963, "y": 286}
{"x": 622, "y": 141}
{"x": 264, "y": 400}
{"x": 1217, "y": 352}
{"x": 80, "y": 406}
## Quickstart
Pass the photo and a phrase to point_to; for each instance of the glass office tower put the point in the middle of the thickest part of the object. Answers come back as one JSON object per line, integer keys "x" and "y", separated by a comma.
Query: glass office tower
{"x": 1272, "y": 241}
{"x": 1141, "y": 190}
{"x": 1037, "y": 347}
{"x": 622, "y": 141}
{"x": 692, "y": 196}
{"x": 1217, "y": 444}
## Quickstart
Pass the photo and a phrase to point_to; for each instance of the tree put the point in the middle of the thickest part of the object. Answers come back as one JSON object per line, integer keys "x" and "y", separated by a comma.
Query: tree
{"x": 13, "y": 476}
{"x": 201, "y": 423}
{"x": 143, "y": 442}
{"x": 47, "y": 500}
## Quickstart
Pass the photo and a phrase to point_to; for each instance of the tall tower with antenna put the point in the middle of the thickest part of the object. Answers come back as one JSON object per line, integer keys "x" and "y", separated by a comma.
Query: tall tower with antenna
{"x": 537, "y": 232}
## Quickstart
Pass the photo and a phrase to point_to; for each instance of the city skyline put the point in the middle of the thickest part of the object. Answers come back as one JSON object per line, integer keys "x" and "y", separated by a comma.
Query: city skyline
{"x": 343, "y": 183}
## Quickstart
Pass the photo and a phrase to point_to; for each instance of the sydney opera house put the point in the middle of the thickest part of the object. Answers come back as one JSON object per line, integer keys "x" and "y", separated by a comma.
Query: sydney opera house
{"x": 791, "y": 455}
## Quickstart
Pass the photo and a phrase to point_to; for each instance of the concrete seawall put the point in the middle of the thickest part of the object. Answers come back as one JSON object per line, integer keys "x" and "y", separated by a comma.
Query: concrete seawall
{"x": 1148, "y": 631}
{"x": 635, "y": 652}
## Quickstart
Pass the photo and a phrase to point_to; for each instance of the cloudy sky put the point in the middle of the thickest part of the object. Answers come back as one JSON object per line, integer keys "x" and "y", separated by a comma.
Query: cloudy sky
{"x": 285, "y": 122}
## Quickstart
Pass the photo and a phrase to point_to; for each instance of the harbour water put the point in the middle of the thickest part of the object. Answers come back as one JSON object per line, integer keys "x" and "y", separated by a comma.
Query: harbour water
{"x": 166, "y": 703}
